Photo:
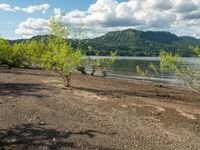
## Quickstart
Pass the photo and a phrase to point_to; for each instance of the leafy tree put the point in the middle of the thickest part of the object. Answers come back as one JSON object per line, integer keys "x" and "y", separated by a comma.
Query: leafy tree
{"x": 173, "y": 63}
{"x": 11, "y": 55}
{"x": 60, "y": 56}
{"x": 101, "y": 63}
{"x": 151, "y": 70}
{"x": 19, "y": 57}
{"x": 5, "y": 53}
{"x": 93, "y": 63}
{"x": 106, "y": 63}
{"x": 168, "y": 63}
{"x": 80, "y": 39}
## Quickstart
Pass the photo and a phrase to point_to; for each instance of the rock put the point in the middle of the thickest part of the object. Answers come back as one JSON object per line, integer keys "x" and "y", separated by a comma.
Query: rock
{"x": 42, "y": 123}
{"x": 158, "y": 114}
{"x": 124, "y": 106}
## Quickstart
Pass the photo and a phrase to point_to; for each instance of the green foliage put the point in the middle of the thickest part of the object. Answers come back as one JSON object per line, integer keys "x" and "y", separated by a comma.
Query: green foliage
{"x": 18, "y": 56}
{"x": 5, "y": 52}
{"x": 196, "y": 51}
{"x": 60, "y": 56}
{"x": 173, "y": 63}
{"x": 23, "y": 54}
{"x": 138, "y": 43}
{"x": 11, "y": 55}
{"x": 105, "y": 63}
{"x": 141, "y": 72}
{"x": 101, "y": 63}
{"x": 169, "y": 62}
{"x": 150, "y": 71}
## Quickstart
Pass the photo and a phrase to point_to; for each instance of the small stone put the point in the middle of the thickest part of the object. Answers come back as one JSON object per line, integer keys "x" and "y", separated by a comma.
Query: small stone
{"x": 124, "y": 106}
{"x": 42, "y": 123}
{"x": 37, "y": 117}
{"x": 13, "y": 140}
{"x": 159, "y": 114}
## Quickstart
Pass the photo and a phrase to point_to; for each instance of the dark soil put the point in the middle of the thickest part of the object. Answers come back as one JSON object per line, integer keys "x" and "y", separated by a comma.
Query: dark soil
{"x": 37, "y": 112}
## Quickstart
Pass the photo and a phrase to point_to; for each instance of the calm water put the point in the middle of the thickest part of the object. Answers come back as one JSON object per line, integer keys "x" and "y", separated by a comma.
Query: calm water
{"x": 125, "y": 68}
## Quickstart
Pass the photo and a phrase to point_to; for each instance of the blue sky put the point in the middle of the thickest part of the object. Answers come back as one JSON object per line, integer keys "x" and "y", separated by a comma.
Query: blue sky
{"x": 11, "y": 20}
{"x": 27, "y": 18}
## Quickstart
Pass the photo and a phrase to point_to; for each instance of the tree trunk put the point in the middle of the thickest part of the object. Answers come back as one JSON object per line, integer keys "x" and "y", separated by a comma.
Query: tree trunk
{"x": 82, "y": 70}
{"x": 93, "y": 71}
{"x": 68, "y": 80}
{"x": 103, "y": 72}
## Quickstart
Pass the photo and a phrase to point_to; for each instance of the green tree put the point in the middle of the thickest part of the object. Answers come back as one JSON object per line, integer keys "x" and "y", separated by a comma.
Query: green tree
{"x": 106, "y": 63}
{"x": 5, "y": 53}
{"x": 190, "y": 76}
{"x": 168, "y": 63}
{"x": 101, "y": 63}
{"x": 93, "y": 63}
{"x": 13, "y": 56}
{"x": 60, "y": 56}
{"x": 19, "y": 57}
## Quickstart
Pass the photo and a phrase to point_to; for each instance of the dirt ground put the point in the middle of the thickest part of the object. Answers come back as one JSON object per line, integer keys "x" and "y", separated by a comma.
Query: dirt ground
{"x": 37, "y": 112}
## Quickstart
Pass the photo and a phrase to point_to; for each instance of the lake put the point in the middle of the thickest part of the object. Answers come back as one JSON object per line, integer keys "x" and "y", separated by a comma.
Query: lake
{"x": 125, "y": 68}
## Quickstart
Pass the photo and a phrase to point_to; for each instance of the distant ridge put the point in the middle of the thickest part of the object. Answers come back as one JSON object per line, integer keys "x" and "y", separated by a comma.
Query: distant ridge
{"x": 133, "y": 42}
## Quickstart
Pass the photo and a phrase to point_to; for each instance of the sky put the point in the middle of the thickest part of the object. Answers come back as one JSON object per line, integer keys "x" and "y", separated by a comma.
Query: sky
{"x": 27, "y": 18}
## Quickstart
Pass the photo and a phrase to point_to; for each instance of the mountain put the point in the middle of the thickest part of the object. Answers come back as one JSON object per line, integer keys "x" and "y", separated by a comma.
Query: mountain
{"x": 132, "y": 42}
{"x": 139, "y": 43}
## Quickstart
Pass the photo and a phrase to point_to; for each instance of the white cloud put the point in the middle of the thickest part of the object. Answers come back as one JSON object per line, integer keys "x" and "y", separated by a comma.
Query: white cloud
{"x": 36, "y": 8}
{"x": 179, "y": 16}
{"x": 32, "y": 27}
{"x": 110, "y": 14}
{"x": 6, "y": 7}
{"x": 30, "y": 9}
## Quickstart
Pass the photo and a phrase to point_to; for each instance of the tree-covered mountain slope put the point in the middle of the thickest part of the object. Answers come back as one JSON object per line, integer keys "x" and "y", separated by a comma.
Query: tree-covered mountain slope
{"x": 132, "y": 42}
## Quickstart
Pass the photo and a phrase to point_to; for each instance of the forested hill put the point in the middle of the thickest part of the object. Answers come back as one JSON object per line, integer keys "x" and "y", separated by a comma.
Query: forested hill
{"x": 136, "y": 43}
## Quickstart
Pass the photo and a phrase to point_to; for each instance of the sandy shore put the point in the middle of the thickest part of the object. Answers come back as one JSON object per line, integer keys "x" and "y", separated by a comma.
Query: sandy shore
{"x": 38, "y": 112}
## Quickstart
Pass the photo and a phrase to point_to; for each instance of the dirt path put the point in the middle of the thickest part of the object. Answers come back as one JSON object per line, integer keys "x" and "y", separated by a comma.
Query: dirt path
{"x": 37, "y": 112}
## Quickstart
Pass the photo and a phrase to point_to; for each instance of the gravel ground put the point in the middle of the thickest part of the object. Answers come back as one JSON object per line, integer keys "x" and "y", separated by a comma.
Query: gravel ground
{"x": 38, "y": 112}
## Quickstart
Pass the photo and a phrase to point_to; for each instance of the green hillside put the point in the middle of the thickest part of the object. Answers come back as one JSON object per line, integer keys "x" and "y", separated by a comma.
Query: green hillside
{"x": 135, "y": 43}
{"x": 138, "y": 43}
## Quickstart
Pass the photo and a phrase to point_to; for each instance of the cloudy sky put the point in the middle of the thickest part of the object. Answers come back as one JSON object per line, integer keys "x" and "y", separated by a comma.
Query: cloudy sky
{"x": 27, "y": 18}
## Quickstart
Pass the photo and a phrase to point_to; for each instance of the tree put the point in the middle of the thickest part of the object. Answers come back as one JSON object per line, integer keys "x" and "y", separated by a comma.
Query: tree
{"x": 60, "y": 56}
{"x": 19, "y": 55}
{"x": 168, "y": 63}
{"x": 151, "y": 70}
{"x": 12, "y": 56}
{"x": 106, "y": 63}
{"x": 101, "y": 63}
{"x": 93, "y": 63}
{"x": 190, "y": 76}
{"x": 5, "y": 53}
